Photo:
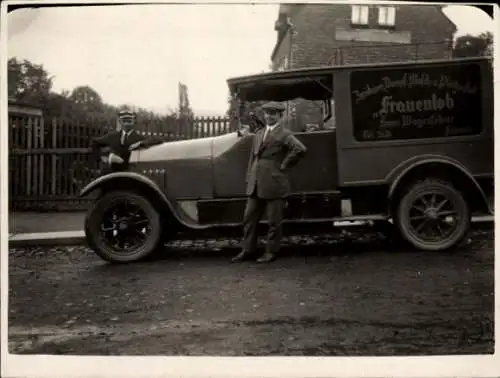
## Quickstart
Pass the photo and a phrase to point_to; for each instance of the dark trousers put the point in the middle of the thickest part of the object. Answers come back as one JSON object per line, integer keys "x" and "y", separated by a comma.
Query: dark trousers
{"x": 254, "y": 211}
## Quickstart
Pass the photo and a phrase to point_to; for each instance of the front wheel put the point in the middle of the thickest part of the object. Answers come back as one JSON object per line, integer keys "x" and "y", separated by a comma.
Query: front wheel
{"x": 433, "y": 215}
{"x": 123, "y": 227}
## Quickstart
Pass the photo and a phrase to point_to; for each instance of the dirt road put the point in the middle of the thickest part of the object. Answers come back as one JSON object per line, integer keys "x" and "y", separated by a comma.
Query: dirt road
{"x": 321, "y": 298}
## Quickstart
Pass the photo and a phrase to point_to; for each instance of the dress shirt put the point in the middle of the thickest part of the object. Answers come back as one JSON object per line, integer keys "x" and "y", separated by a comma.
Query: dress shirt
{"x": 124, "y": 135}
{"x": 269, "y": 128}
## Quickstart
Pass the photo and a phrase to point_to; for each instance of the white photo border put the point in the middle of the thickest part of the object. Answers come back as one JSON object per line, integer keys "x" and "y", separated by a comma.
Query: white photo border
{"x": 151, "y": 366}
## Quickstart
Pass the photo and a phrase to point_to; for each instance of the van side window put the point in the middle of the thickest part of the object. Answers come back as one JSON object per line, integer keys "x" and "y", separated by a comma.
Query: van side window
{"x": 416, "y": 103}
{"x": 308, "y": 117}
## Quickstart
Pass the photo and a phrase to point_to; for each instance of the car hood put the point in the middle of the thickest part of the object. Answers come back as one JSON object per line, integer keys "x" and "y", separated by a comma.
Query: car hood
{"x": 178, "y": 150}
{"x": 203, "y": 148}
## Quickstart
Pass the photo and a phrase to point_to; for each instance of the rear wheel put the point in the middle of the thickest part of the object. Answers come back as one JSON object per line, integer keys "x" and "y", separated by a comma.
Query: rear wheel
{"x": 123, "y": 227}
{"x": 433, "y": 215}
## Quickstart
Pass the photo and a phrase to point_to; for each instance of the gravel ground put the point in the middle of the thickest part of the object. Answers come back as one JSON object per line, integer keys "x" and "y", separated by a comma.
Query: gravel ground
{"x": 324, "y": 296}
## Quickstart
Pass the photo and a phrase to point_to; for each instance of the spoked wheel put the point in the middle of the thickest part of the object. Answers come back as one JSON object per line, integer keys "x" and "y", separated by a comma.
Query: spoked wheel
{"x": 433, "y": 215}
{"x": 123, "y": 227}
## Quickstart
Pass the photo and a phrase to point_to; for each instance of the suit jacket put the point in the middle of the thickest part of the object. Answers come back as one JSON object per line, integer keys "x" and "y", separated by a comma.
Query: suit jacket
{"x": 270, "y": 161}
{"x": 113, "y": 141}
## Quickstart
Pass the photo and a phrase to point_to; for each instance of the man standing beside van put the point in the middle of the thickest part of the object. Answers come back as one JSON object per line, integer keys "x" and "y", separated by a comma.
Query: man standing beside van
{"x": 274, "y": 152}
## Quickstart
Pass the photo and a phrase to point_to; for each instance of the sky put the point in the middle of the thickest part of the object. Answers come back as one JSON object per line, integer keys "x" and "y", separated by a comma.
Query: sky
{"x": 138, "y": 54}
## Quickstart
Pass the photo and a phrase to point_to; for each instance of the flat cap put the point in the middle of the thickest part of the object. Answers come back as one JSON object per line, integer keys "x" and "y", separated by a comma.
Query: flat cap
{"x": 274, "y": 105}
{"x": 126, "y": 112}
{"x": 126, "y": 115}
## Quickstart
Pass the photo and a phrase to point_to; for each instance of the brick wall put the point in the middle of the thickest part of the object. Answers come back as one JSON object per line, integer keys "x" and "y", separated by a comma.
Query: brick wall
{"x": 314, "y": 39}
{"x": 322, "y": 35}
{"x": 386, "y": 53}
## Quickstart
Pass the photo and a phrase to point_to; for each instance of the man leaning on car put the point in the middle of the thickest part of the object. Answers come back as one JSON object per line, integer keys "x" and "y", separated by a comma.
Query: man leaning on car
{"x": 274, "y": 152}
{"x": 120, "y": 142}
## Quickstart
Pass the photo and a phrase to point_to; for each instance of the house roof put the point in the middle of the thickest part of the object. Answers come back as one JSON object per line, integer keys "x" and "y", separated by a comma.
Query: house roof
{"x": 281, "y": 26}
{"x": 281, "y": 36}
{"x": 450, "y": 22}
{"x": 310, "y": 83}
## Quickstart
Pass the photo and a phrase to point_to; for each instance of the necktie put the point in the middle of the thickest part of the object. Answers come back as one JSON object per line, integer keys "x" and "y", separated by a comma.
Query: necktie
{"x": 266, "y": 133}
{"x": 124, "y": 136}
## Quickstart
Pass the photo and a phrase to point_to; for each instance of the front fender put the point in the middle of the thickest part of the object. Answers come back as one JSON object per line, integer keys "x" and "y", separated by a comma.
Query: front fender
{"x": 174, "y": 210}
{"x": 102, "y": 180}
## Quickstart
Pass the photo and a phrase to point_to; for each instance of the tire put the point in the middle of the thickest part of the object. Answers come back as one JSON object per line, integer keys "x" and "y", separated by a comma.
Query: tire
{"x": 103, "y": 228}
{"x": 416, "y": 212}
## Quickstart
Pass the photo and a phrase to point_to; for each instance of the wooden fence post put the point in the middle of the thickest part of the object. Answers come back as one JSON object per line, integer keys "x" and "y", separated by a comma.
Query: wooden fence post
{"x": 196, "y": 128}
{"x": 28, "y": 160}
{"x": 41, "y": 157}
{"x": 54, "y": 156}
{"x": 36, "y": 141}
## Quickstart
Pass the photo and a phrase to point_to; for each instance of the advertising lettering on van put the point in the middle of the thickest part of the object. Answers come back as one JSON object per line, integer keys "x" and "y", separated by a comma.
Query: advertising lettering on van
{"x": 432, "y": 105}
{"x": 413, "y": 103}
{"x": 414, "y": 80}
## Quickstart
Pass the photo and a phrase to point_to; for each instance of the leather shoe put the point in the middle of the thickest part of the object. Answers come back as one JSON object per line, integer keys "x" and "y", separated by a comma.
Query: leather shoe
{"x": 266, "y": 258}
{"x": 242, "y": 256}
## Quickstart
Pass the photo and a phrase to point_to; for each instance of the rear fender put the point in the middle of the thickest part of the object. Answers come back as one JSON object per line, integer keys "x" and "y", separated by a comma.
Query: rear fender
{"x": 423, "y": 166}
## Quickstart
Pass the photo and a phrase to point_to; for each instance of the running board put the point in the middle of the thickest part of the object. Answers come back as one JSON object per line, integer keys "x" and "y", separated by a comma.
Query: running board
{"x": 352, "y": 218}
{"x": 334, "y": 221}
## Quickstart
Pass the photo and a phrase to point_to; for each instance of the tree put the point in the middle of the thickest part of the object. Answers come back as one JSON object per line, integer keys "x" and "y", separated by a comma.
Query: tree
{"x": 58, "y": 105}
{"x": 31, "y": 83}
{"x": 185, "y": 111}
{"x": 87, "y": 99}
{"x": 28, "y": 82}
{"x": 471, "y": 46}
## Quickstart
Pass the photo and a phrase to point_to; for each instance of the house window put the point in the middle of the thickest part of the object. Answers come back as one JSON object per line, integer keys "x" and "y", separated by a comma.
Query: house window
{"x": 387, "y": 16}
{"x": 359, "y": 15}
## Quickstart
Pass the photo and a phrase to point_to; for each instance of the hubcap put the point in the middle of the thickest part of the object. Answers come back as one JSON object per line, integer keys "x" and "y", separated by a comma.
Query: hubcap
{"x": 125, "y": 227}
{"x": 433, "y": 216}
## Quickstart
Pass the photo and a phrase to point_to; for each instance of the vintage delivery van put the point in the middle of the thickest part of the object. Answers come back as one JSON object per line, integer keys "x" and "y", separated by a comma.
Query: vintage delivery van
{"x": 412, "y": 148}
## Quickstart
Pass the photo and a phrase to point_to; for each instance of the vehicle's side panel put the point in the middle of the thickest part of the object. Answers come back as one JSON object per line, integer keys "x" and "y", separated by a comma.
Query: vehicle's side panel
{"x": 155, "y": 172}
{"x": 230, "y": 159}
{"x": 313, "y": 180}
{"x": 464, "y": 102}
{"x": 186, "y": 164}
{"x": 303, "y": 207}
{"x": 221, "y": 211}
{"x": 317, "y": 171}
{"x": 376, "y": 165}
